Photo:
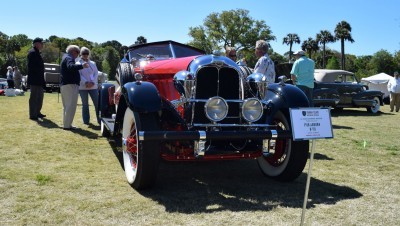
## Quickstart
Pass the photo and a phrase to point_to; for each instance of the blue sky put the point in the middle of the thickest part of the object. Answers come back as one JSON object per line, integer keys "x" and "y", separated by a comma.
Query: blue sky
{"x": 375, "y": 24}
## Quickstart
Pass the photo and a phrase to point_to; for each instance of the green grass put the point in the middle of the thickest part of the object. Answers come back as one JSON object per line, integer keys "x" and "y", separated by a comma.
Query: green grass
{"x": 51, "y": 176}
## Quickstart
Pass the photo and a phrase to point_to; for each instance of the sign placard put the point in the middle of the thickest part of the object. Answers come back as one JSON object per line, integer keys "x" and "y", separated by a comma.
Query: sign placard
{"x": 311, "y": 123}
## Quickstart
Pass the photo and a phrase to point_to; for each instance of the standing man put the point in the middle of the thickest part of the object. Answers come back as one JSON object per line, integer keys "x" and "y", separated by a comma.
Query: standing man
{"x": 264, "y": 64}
{"x": 394, "y": 90}
{"x": 303, "y": 74}
{"x": 36, "y": 79}
{"x": 70, "y": 81}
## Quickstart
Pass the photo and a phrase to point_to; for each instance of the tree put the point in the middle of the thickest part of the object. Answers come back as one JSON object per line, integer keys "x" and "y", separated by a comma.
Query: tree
{"x": 333, "y": 63}
{"x": 116, "y": 45}
{"x": 141, "y": 40}
{"x": 229, "y": 28}
{"x": 110, "y": 62}
{"x": 342, "y": 33}
{"x": 383, "y": 61}
{"x": 310, "y": 45}
{"x": 323, "y": 37}
{"x": 289, "y": 40}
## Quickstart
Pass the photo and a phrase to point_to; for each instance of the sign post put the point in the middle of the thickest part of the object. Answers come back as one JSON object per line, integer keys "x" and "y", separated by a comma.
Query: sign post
{"x": 310, "y": 124}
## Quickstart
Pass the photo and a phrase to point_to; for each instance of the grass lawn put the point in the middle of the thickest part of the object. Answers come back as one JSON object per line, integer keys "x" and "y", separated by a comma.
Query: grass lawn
{"x": 57, "y": 177}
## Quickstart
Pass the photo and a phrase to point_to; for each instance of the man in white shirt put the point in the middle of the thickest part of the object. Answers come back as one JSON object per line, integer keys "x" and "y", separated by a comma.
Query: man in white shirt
{"x": 394, "y": 90}
{"x": 264, "y": 64}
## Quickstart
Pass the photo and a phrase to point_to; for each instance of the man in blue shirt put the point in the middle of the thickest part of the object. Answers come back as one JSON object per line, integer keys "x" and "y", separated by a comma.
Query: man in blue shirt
{"x": 303, "y": 74}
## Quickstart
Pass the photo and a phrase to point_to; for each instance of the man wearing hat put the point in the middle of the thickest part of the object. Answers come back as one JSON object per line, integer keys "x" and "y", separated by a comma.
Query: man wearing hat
{"x": 36, "y": 79}
{"x": 303, "y": 74}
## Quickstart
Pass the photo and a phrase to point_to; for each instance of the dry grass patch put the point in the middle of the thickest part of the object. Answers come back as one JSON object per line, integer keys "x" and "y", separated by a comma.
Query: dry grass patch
{"x": 57, "y": 177}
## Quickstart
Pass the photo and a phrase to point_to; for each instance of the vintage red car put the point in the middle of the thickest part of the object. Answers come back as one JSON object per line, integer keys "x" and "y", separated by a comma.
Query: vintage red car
{"x": 173, "y": 102}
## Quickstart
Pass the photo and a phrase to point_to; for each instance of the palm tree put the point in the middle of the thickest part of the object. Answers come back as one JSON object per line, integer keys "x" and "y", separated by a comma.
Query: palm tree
{"x": 324, "y": 37}
{"x": 342, "y": 33}
{"x": 310, "y": 45}
{"x": 289, "y": 40}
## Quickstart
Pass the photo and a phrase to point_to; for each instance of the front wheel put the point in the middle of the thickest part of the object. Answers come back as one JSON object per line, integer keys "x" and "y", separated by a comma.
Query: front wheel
{"x": 141, "y": 159}
{"x": 375, "y": 107}
{"x": 287, "y": 158}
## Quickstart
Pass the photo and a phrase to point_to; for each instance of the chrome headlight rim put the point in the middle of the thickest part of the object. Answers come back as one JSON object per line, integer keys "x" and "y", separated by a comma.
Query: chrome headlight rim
{"x": 214, "y": 104}
{"x": 247, "y": 108}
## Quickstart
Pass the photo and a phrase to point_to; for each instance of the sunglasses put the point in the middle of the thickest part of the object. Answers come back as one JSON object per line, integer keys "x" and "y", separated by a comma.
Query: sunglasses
{"x": 85, "y": 54}
{"x": 232, "y": 55}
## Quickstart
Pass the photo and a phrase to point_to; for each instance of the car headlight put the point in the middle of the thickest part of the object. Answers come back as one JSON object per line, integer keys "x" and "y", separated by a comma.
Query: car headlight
{"x": 216, "y": 109}
{"x": 252, "y": 109}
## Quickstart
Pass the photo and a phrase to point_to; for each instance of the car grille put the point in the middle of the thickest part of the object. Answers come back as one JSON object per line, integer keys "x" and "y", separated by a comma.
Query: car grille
{"x": 223, "y": 82}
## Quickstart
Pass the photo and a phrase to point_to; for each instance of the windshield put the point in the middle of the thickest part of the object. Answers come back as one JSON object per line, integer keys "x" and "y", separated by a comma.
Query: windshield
{"x": 163, "y": 51}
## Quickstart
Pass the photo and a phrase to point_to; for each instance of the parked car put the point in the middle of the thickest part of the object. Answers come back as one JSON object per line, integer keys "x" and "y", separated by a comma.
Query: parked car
{"x": 52, "y": 77}
{"x": 174, "y": 103}
{"x": 341, "y": 89}
{"x": 3, "y": 83}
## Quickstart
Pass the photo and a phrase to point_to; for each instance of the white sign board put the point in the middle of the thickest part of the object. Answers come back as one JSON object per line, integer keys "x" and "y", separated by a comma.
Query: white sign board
{"x": 311, "y": 123}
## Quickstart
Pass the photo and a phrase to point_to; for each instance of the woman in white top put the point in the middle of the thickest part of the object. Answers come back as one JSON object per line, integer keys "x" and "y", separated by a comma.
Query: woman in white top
{"x": 88, "y": 86}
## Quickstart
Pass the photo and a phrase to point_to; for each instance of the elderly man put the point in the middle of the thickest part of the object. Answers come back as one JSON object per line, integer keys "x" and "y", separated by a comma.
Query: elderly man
{"x": 264, "y": 64}
{"x": 303, "y": 74}
{"x": 70, "y": 81}
{"x": 36, "y": 79}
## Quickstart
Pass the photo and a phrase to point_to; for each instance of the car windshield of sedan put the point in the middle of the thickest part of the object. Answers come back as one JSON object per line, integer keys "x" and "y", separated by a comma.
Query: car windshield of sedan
{"x": 163, "y": 51}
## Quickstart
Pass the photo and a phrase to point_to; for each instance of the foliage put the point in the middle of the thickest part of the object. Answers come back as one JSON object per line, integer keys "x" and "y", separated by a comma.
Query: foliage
{"x": 141, "y": 40}
{"x": 333, "y": 63}
{"x": 343, "y": 33}
{"x": 310, "y": 45}
{"x": 324, "y": 37}
{"x": 383, "y": 61}
{"x": 289, "y": 40}
{"x": 229, "y": 28}
{"x": 110, "y": 65}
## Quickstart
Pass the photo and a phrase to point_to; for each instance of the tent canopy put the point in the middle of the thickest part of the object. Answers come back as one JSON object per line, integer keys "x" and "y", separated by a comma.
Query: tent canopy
{"x": 377, "y": 79}
{"x": 378, "y": 82}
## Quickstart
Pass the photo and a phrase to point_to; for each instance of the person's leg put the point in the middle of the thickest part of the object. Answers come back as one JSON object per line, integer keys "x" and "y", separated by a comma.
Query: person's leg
{"x": 33, "y": 102}
{"x": 392, "y": 96}
{"x": 69, "y": 94}
{"x": 397, "y": 102}
{"x": 85, "y": 106}
{"x": 94, "y": 95}
{"x": 308, "y": 92}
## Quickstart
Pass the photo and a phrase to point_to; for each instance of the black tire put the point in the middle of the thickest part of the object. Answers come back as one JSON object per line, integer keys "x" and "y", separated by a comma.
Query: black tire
{"x": 289, "y": 158}
{"x": 141, "y": 160}
{"x": 124, "y": 73}
{"x": 377, "y": 106}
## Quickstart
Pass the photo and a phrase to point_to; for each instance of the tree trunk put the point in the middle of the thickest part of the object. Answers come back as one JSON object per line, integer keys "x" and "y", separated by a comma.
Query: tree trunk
{"x": 343, "y": 58}
{"x": 323, "y": 56}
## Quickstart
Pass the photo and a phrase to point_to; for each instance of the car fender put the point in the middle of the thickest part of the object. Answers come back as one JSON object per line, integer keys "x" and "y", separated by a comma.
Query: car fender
{"x": 281, "y": 97}
{"x": 369, "y": 94}
{"x": 142, "y": 96}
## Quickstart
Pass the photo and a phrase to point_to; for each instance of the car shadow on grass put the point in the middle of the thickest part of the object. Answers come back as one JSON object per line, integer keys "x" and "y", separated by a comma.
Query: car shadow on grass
{"x": 204, "y": 187}
{"x": 235, "y": 186}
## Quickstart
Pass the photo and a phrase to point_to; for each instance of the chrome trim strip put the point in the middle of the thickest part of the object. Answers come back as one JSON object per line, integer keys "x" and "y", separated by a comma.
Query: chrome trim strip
{"x": 232, "y": 125}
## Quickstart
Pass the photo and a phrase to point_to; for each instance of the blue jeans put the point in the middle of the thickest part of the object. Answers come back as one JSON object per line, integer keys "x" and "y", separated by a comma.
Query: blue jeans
{"x": 94, "y": 95}
{"x": 309, "y": 93}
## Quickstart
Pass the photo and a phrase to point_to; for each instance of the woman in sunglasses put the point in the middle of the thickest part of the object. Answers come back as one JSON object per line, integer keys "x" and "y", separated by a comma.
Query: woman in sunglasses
{"x": 88, "y": 86}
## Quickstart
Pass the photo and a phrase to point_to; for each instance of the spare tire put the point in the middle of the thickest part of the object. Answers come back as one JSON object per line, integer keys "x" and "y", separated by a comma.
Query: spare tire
{"x": 124, "y": 73}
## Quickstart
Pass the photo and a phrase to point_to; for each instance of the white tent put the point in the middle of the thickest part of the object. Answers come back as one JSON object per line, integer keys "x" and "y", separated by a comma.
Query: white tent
{"x": 378, "y": 82}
